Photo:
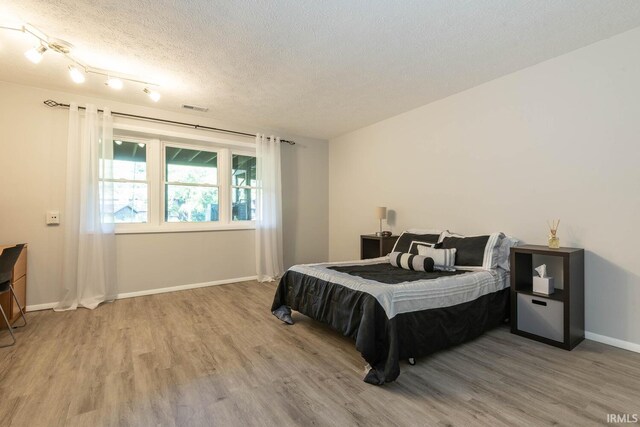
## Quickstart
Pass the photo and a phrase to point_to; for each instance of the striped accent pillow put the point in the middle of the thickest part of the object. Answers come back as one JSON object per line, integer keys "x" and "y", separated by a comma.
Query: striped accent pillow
{"x": 443, "y": 259}
{"x": 411, "y": 261}
{"x": 413, "y": 247}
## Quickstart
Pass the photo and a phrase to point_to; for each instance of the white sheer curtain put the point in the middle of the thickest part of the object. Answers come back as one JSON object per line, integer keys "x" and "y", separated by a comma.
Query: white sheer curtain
{"x": 89, "y": 270}
{"x": 269, "y": 265}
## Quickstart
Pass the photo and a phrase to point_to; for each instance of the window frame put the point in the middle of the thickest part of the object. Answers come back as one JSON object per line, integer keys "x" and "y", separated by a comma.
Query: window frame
{"x": 150, "y": 144}
{"x": 164, "y": 182}
{"x": 156, "y": 179}
{"x": 251, "y": 222}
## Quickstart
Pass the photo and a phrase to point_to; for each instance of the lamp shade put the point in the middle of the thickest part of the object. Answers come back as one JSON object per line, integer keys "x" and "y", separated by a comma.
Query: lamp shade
{"x": 381, "y": 212}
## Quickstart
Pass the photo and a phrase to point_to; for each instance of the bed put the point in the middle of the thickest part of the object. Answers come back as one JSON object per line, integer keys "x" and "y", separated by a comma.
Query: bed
{"x": 395, "y": 314}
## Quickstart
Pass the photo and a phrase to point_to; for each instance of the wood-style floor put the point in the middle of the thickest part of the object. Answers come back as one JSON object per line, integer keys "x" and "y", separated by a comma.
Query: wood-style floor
{"x": 216, "y": 356}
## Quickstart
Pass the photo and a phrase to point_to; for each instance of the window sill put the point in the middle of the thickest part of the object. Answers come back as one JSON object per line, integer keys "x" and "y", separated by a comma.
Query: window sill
{"x": 183, "y": 228}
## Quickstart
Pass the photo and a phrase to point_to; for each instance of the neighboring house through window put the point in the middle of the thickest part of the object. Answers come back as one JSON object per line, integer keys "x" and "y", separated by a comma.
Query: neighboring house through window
{"x": 130, "y": 187}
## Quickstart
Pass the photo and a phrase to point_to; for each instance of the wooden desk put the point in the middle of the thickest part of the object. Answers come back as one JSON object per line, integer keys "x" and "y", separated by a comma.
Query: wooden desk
{"x": 19, "y": 283}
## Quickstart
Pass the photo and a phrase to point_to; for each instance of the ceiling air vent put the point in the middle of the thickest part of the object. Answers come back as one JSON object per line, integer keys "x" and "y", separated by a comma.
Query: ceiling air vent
{"x": 195, "y": 108}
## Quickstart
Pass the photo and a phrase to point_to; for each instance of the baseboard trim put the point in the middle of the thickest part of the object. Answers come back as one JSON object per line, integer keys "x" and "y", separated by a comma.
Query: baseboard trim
{"x": 38, "y": 307}
{"x": 50, "y": 305}
{"x": 615, "y": 342}
{"x": 184, "y": 287}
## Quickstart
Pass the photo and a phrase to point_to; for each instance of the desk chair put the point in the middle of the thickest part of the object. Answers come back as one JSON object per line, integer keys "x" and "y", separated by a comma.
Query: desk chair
{"x": 8, "y": 260}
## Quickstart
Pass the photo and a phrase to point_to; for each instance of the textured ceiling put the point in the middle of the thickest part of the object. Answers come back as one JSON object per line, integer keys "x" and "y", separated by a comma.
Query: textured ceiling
{"x": 304, "y": 67}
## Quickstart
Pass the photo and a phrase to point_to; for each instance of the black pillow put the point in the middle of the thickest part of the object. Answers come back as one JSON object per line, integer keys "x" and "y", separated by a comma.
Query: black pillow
{"x": 403, "y": 244}
{"x": 470, "y": 250}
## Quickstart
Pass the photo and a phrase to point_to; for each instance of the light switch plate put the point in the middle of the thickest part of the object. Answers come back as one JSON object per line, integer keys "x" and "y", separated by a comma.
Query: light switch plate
{"x": 53, "y": 217}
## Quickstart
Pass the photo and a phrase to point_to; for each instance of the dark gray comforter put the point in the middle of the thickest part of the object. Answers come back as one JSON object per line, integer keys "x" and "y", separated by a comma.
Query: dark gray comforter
{"x": 383, "y": 342}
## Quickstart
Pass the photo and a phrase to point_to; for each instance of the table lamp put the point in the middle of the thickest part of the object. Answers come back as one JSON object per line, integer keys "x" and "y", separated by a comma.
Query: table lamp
{"x": 381, "y": 213}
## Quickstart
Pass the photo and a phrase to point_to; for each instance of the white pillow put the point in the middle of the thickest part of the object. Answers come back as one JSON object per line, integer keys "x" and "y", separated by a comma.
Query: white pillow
{"x": 414, "y": 243}
{"x": 423, "y": 231}
{"x": 504, "y": 252}
{"x": 443, "y": 259}
{"x": 447, "y": 233}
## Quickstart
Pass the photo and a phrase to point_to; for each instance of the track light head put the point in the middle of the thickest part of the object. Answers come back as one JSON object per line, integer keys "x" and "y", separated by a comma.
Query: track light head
{"x": 79, "y": 69}
{"x": 155, "y": 96}
{"x": 76, "y": 75}
{"x": 114, "y": 83}
{"x": 60, "y": 46}
{"x": 35, "y": 55}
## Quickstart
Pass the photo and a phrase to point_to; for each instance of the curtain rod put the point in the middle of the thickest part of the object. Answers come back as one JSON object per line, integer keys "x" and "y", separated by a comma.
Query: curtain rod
{"x": 51, "y": 103}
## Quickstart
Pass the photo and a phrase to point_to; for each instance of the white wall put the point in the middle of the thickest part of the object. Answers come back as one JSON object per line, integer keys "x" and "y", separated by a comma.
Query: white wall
{"x": 32, "y": 170}
{"x": 557, "y": 140}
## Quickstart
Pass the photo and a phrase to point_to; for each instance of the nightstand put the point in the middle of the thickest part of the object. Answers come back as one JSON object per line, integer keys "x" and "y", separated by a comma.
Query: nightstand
{"x": 372, "y": 246}
{"x": 556, "y": 319}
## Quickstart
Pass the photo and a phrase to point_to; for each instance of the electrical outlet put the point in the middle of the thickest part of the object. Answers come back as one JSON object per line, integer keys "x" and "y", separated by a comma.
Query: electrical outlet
{"x": 53, "y": 217}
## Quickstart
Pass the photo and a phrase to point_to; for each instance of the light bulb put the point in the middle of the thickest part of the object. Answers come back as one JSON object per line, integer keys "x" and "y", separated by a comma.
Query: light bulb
{"x": 141, "y": 144}
{"x": 76, "y": 75}
{"x": 118, "y": 142}
{"x": 155, "y": 96}
{"x": 114, "y": 83}
{"x": 35, "y": 55}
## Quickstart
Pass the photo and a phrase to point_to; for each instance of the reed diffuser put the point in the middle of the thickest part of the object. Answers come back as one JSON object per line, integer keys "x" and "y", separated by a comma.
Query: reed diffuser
{"x": 554, "y": 240}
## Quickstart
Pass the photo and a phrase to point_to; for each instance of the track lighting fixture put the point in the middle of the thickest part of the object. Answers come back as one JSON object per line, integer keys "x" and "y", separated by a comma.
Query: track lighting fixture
{"x": 35, "y": 55}
{"x": 155, "y": 96}
{"x": 78, "y": 70}
{"x": 114, "y": 83}
{"x": 76, "y": 75}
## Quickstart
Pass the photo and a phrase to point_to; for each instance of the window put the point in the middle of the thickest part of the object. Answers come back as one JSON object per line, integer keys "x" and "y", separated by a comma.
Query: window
{"x": 130, "y": 187}
{"x": 191, "y": 185}
{"x": 243, "y": 188}
{"x": 162, "y": 186}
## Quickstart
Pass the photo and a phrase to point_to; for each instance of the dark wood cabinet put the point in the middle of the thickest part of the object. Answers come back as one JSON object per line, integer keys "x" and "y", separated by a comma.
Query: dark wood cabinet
{"x": 372, "y": 246}
{"x": 556, "y": 319}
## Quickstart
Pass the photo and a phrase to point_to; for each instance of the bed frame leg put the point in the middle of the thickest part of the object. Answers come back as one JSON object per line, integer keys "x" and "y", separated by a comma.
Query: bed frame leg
{"x": 412, "y": 361}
